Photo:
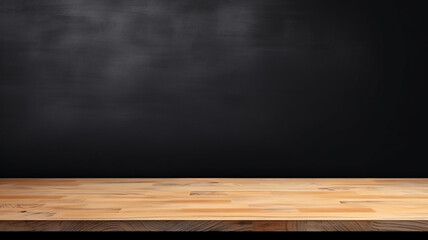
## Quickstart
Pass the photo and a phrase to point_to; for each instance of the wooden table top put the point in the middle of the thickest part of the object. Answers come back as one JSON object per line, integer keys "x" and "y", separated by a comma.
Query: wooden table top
{"x": 213, "y": 199}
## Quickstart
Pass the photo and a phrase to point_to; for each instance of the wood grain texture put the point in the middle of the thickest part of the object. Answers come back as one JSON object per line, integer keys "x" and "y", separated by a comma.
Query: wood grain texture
{"x": 214, "y": 204}
{"x": 234, "y": 225}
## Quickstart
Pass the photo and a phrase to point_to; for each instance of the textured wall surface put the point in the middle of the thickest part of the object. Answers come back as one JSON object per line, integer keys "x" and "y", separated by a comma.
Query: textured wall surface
{"x": 199, "y": 88}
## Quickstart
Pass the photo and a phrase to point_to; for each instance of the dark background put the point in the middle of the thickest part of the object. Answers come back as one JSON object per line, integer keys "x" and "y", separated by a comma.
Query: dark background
{"x": 212, "y": 88}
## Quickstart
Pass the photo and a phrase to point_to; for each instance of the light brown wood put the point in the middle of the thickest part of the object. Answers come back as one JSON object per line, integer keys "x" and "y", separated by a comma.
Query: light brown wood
{"x": 214, "y": 204}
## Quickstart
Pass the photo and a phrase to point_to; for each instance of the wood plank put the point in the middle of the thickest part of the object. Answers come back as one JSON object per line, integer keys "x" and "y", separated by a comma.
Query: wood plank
{"x": 292, "y": 225}
{"x": 214, "y": 204}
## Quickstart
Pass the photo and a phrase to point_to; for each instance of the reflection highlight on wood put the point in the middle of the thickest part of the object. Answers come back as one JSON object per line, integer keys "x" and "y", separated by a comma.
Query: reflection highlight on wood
{"x": 214, "y": 204}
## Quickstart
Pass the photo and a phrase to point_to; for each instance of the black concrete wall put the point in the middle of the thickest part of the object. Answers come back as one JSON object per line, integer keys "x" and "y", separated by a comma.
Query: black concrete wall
{"x": 212, "y": 88}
